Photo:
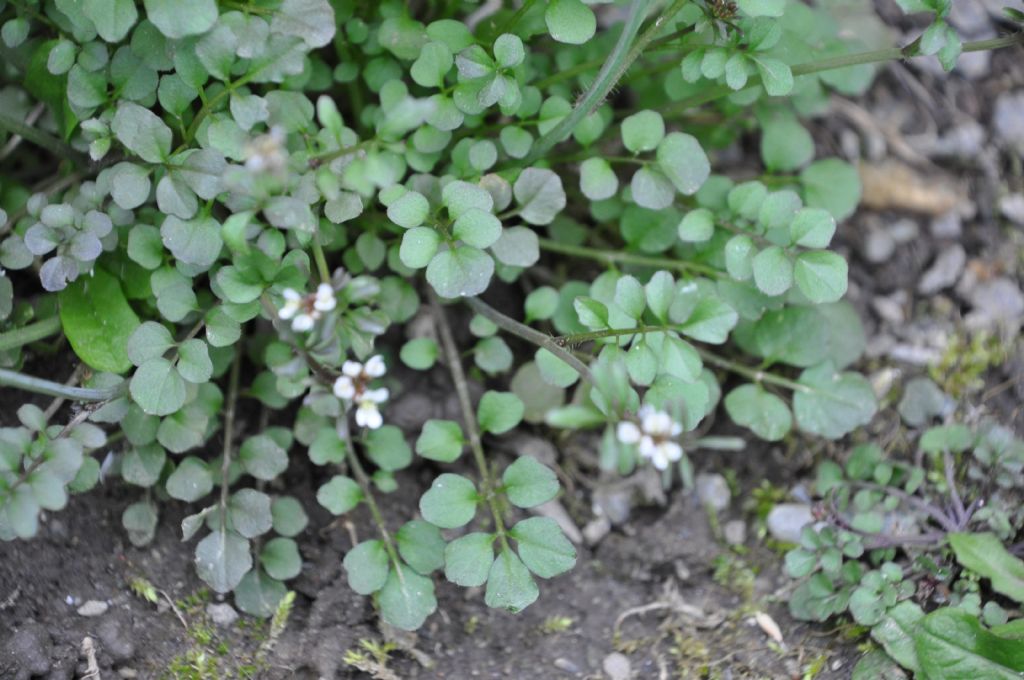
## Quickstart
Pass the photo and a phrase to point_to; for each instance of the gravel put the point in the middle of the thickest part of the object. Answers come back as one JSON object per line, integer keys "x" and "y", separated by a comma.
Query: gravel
{"x": 713, "y": 490}
{"x": 1008, "y": 118}
{"x": 616, "y": 666}
{"x": 93, "y": 608}
{"x": 1012, "y": 208}
{"x": 945, "y": 271}
{"x": 786, "y": 520}
{"x": 947, "y": 225}
{"x": 998, "y": 301}
{"x": 222, "y": 615}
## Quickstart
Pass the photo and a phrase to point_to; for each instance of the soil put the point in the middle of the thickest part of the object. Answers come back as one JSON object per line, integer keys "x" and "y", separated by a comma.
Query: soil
{"x": 662, "y": 588}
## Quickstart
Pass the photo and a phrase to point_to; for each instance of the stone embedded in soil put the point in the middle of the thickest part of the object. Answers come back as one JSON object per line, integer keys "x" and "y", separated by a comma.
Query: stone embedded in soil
{"x": 1008, "y": 118}
{"x": 616, "y": 666}
{"x": 735, "y": 532}
{"x": 945, "y": 271}
{"x": 879, "y": 246}
{"x": 713, "y": 490}
{"x": 115, "y": 636}
{"x": 947, "y": 225}
{"x": 1012, "y": 208}
{"x": 786, "y": 520}
{"x": 26, "y": 653}
{"x": 596, "y": 529}
{"x": 998, "y": 301}
{"x": 93, "y": 608}
{"x": 222, "y": 614}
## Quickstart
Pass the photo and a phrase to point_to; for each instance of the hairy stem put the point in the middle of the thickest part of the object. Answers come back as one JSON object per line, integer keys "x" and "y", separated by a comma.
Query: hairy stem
{"x": 532, "y": 335}
{"x": 623, "y": 257}
{"x": 30, "y": 383}
{"x": 622, "y": 56}
{"x": 33, "y": 332}
{"x": 469, "y": 416}
{"x": 42, "y": 139}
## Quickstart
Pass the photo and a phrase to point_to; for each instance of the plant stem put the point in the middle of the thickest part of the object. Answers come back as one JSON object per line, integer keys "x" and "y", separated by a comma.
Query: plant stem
{"x": 42, "y": 139}
{"x": 33, "y": 332}
{"x": 328, "y": 156}
{"x": 531, "y": 335}
{"x": 842, "y": 61}
{"x": 365, "y": 485}
{"x": 514, "y": 19}
{"x": 620, "y": 59}
{"x": 320, "y": 259}
{"x": 55, "y": 389}
{"x": 469, "y": 416}
{"x": 752, "y": 374}
{"x": 623, "y": 257}
{"x": 229, "y": 433}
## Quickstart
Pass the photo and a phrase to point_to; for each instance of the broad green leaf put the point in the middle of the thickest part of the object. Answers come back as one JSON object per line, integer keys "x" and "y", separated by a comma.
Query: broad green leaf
{"x": 570, "y": 21}
{"x": 142, "y": 132}
{"x": 540, "y": 195}
{"x": 529, "y": 483}
{"x": 139, "y": 520}
{"x": 553, "y": 370}
{"x": 812, "y": 228}
{"x": 986, "y": 556}
{"x": 478, "y": 228}
{"x": 710, "y": 321}
{"x": 764, "y": 413}
{"x": 157, "y": 387}
{"x": 651, "y": 189}
{"x": 222, "y": 559}
{"x": 597, "y": 179}
{"x": 190, "y": 481}
{"x": 97, "y": 321}
{"x": 410, "y": 210}
{"x": 196, "y": 242}
{"x": 821, "y": 275}
{"x": 762, "y": 8}
{"x": 142, "y": 465}
{"x": 499, "y": 412}
{"x": 952, "y": 645}
{"x": 468, "y": 559}
{"x": 289, "y": 519}
{"x": 419, "y": 245}
{"x": 773, "y": 271}
{"x": 683, "y": 161}
{"x": 366, "y": 567}
{"x": 259, "y": 594}
{"x": 462, "y": 271}
{"x": 643, "y": 131}
{"x": 182, "y": 18}
{"x": 698, "y": 226}
{"x": 249, "y": 511}
{"x": 194, "y": 363}
{"x": 509, "y": 584}
{"x": 517, "y": 247}
{"x": 786, "y": 145}
{"x": 263, "y": 457}
{"x": 311, "y": 20}
{"x": 112, "y": 18}
{"x": 450, "y": 502}
{"x": 831, "y": 184}
{"x": 776, "y": 76}
{"x": 441, "y": 440}
{"x": 419, "y": 354}
{"x": 897, "y": 631}
{"x": 433, "y": 63}
{"x": 421, "y": 546}
{"x": 339, "y": 495}
{"x": 387, "y": 448}
{"x": 832, "y": 404}
{"x": 406, "y": 600}
{"x": 543, "y": 547}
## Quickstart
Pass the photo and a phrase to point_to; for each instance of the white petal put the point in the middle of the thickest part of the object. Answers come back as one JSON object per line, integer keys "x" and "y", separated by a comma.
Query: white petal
{"x": 352, "y": 369}
{"x": 672, "y": 451}
{"x": 344, "y": 388}
{"x": 658, "y": 459}
{"x": 291, "y": 295}
{"x": 658, "y": 423}
{"x": 628, "y": 432}
{"x": 377, "y": 396}
{"x": 375, "y": 367}
{"x": 302, "y": 323}
{"x": 647, "y": 447}
{"x": 645, "y": 411}
{"x": 367, "y": 415}
{"x": 325, "y": 301}
{"x": 288, "y": 311}
{"x": 677, "y": 429}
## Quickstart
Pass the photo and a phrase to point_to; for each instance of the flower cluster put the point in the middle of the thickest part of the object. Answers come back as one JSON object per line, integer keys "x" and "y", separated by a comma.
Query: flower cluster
{"x": 353, "y": 387}
{"x": 654, "y": 434}
{"x": 266, "y": 153}
{"x": 306, "y": 310}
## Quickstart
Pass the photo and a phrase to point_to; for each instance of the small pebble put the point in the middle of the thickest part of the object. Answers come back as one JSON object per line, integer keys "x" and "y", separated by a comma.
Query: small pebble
{"x": 713, "y": 490}
{"x": 995, "y": 301}
{"x": 786, "y": 520}
{"x": 128, "y": 673}
{"x": 947, "y": 225}
{"x": 735, "y": 532}
{"x": 616, "y": 666}
{"x": 93, "y": 608}
{"x": 879, "y": 246}
{"x": 944, "y": 272}
{"x": 1008, "y": 118}
{"x": 566, "y": 665}
{"x": 1012, "y": 208}
{"x": 904, "y": 230}
{"x": 596, "y": 529}
{"x": 222, "y": 615}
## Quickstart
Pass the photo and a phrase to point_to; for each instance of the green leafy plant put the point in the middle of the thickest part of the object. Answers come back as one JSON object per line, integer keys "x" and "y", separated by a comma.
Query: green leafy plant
{"x": 901, "y": 551}
{"x": 243, "y": 203}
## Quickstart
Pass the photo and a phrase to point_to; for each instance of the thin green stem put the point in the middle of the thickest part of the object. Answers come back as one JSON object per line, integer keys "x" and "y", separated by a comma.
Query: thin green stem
{"x": 750, "y": 373}
{"x": 870, "y": 57}
{"x": 531, "y": 335}
{"x": 33, "y": 332}
{"x": 469, "y": 416}
{"x": 30, "y": 383}
{"x": 623, "y": 257}
{"x": 320, "y": 259}
{"x": 328, "y": 156}
{"x": 42, "y": 139}
{"x": 365, "y": 485}
{"x": 229, "y": 433}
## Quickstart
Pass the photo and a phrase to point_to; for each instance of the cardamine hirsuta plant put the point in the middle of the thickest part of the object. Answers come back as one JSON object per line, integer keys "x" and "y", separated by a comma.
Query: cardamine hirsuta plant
{"x": 249, "y": 217}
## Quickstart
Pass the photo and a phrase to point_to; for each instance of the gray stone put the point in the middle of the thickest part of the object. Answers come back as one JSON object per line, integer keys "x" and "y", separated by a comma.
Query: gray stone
{"x": 890, "y": 308}
{"x": 786, "y": 520}
{"x": 904, "y": 230}
{"x": 563, "y": 664}
{"x": 616, "y": 666}
{"x": 1012, "y": 207}
{"x": 965, "y": 140}
{"x": 879, "y": 246}
{"x": 947, "y": 225}
{"x": 115, "y": 636}
{"x": 974, "y": 65}
{"x": 945, "y": 271}
{"x": 713, "y": 490}
{"x": 614, "y": 502}
{"x": 970, "y": 17}
{"x": 93, "y": 608}
{"x": 1008, "y": 118}
{"x": 596, "y": 529}
{"x": 222, "y": 614}
{"x": 735, "y": 532}
{"x": 996, "y": 301}
{"x": 26, "y": 653}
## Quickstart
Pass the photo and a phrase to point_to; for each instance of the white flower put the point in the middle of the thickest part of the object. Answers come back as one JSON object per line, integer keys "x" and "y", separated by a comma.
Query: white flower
{"x": 266, "y": 153}
{"x": 654, "y": 434}
{"x": 353, "y": 386}
{"x": 306, "y": 310}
